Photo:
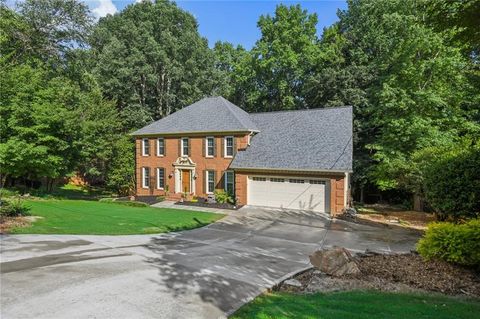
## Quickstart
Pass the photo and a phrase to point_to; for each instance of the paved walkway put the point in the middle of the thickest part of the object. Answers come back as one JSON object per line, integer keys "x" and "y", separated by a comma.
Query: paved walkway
{"x": 202, "y": 273}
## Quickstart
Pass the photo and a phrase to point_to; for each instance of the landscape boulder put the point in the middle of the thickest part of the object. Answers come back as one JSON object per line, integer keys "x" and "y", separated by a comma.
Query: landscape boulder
{"x": 293, "y": 282}
{"x": 335, "y": 262}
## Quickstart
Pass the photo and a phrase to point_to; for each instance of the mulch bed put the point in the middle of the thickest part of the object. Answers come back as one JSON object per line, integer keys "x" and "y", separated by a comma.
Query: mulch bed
{"x": 209, "y": 205}
{"x": 401, "y": 273}
{"x": 8, "y": 223}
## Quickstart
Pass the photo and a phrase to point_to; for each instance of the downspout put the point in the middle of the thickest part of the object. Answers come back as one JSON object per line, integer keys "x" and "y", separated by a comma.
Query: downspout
{"x": 345, "y": 189}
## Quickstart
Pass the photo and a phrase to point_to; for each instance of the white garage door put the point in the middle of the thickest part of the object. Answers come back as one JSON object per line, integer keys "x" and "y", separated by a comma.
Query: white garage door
{"x": 289, "y": 192}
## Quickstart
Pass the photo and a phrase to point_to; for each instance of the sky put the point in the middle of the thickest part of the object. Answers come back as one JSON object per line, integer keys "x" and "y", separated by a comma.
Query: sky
{"x": 233, "y": 21}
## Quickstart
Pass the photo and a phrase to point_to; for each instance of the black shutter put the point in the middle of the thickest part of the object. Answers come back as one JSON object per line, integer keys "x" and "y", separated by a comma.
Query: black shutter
{"x": 189, "y": 147}
{"x": 214, "y": 147}
{"x": 234, "y": 146}
{"x": 152, "y": 180}
{"x": 214, "y": 180}
{"x": 204, "y": 141}
{"x": 204, "y": 179}
{"x": 222, "y": 150}
{"x": 222, "y": 181}
{"x": 164, "y": 181}
{"x": 179, "y": 147}
{"x": 164, "y": 147}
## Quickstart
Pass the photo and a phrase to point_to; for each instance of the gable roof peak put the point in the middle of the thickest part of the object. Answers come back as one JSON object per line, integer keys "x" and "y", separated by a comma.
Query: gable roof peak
{"x": 209, "y": 114}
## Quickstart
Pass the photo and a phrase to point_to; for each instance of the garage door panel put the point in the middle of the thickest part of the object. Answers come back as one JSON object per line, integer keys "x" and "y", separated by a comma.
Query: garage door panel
{"x": 286, "y": 194}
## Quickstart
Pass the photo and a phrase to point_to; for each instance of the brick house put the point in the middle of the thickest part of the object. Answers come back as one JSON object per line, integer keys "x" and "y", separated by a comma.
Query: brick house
{"x": 291, "y": 159}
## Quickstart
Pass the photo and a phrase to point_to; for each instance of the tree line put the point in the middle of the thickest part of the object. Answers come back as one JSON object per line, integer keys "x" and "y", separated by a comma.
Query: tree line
{"x": 72, "y": 87}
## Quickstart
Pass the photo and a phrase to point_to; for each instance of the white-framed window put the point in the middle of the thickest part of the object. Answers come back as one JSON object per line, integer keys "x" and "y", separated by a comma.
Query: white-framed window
{"x": 228, "y": 144}
{"x": 160, "y": 147}
{"x": 259, "y": 179}
{"x": 145, "y": 147}
{"x": 277, "y": 180}
{"x": 210, "y": 181}
{"x": 184, "y": 146}
{"x": 316, "y": 181}
{"x": 146, "y": 177}
{"x": 296, "y": 181}
{"x": 160, "y": 178}
{"x": 209, "y": 146}
{"x": 229, "y": 182}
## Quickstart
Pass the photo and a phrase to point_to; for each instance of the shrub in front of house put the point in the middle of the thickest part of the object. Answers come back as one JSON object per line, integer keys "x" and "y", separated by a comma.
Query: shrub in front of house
{"x": 223, "y": 197}
{"x": 14, "y": 208}
{"x": 456, "y": 243}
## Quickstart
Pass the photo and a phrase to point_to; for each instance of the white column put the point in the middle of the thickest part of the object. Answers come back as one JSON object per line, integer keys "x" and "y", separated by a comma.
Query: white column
{"x": 177, "y": 180}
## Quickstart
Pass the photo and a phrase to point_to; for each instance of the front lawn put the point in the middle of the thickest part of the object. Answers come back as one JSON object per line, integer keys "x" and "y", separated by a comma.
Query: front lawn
{"x": 357, "y": 304}
{"x": 96, "y": 218}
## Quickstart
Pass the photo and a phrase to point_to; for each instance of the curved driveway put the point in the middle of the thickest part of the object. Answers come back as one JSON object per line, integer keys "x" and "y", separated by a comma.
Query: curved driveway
{"x": 203, "y": 273}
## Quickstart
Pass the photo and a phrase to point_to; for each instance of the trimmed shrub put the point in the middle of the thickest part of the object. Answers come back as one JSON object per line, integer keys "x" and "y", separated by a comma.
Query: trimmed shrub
{"x": 223, "y": 197}
{"x": 14, "y": 208}
{"x": 456, "y": 243}
{"x": 452, "y": 184}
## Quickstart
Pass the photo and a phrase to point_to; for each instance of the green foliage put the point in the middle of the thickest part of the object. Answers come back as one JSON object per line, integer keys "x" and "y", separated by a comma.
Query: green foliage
{"x": 152, "y": 61}
{"x": 456, "y": 243}
{"x": 5, "y": 192}
{"x": 223, "y": 197}
{"x": 412, "y": 88}
{"x": 121, "y": 174}
{"x": 229, "y": 61}
{"x": 38, "y": 127}
{"x": 55, "y": 28}
{"x": 274, "y": 73}
{"x": 452, "y": 183}
{"x": 14, "y": 208}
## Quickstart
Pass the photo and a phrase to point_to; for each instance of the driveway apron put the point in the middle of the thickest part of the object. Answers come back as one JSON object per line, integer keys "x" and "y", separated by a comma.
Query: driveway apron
{"x": 202, "y": 273}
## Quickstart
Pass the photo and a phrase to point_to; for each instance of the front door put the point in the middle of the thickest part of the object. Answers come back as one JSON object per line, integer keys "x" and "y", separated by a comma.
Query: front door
{"x": 186, "y": 181}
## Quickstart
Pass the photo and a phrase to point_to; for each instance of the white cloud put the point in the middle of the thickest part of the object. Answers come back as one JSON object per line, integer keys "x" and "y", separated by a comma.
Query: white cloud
{"x": 105, "y": 7}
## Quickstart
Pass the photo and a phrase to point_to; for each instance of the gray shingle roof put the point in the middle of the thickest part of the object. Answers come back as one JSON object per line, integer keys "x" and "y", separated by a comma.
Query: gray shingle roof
{"x": 212, "y": 114}
{"x": 316, "y": 139}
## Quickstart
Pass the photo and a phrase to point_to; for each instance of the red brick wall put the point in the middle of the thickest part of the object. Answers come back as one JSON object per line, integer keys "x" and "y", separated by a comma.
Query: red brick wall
{"x": 337, "y": 184}
{"x": 217, "y": 163}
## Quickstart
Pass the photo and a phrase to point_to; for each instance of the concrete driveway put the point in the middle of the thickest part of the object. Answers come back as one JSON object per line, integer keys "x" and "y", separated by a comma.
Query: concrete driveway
{"x": 202, "y": 273}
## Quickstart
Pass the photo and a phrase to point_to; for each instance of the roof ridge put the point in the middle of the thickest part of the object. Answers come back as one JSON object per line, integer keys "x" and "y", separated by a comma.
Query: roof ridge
{"x": 304, "y": 110}
{"x": 224, "y": 101}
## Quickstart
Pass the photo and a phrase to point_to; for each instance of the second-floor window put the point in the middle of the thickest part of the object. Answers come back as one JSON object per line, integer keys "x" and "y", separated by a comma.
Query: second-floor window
{"x": 145, "y": 147}
{"x": 210, "y": 147}
{"x": 160, "y": 147}
{"x": 145, "y": 177}
{"x": 184, "y": 147}
{"x": 228, "y": 146}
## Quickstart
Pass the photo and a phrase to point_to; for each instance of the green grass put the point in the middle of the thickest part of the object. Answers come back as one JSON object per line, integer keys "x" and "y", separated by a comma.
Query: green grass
{"x": 358, "y": 305}
{"x": 96, "y": 218}
{"x": 67, "y": 191}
